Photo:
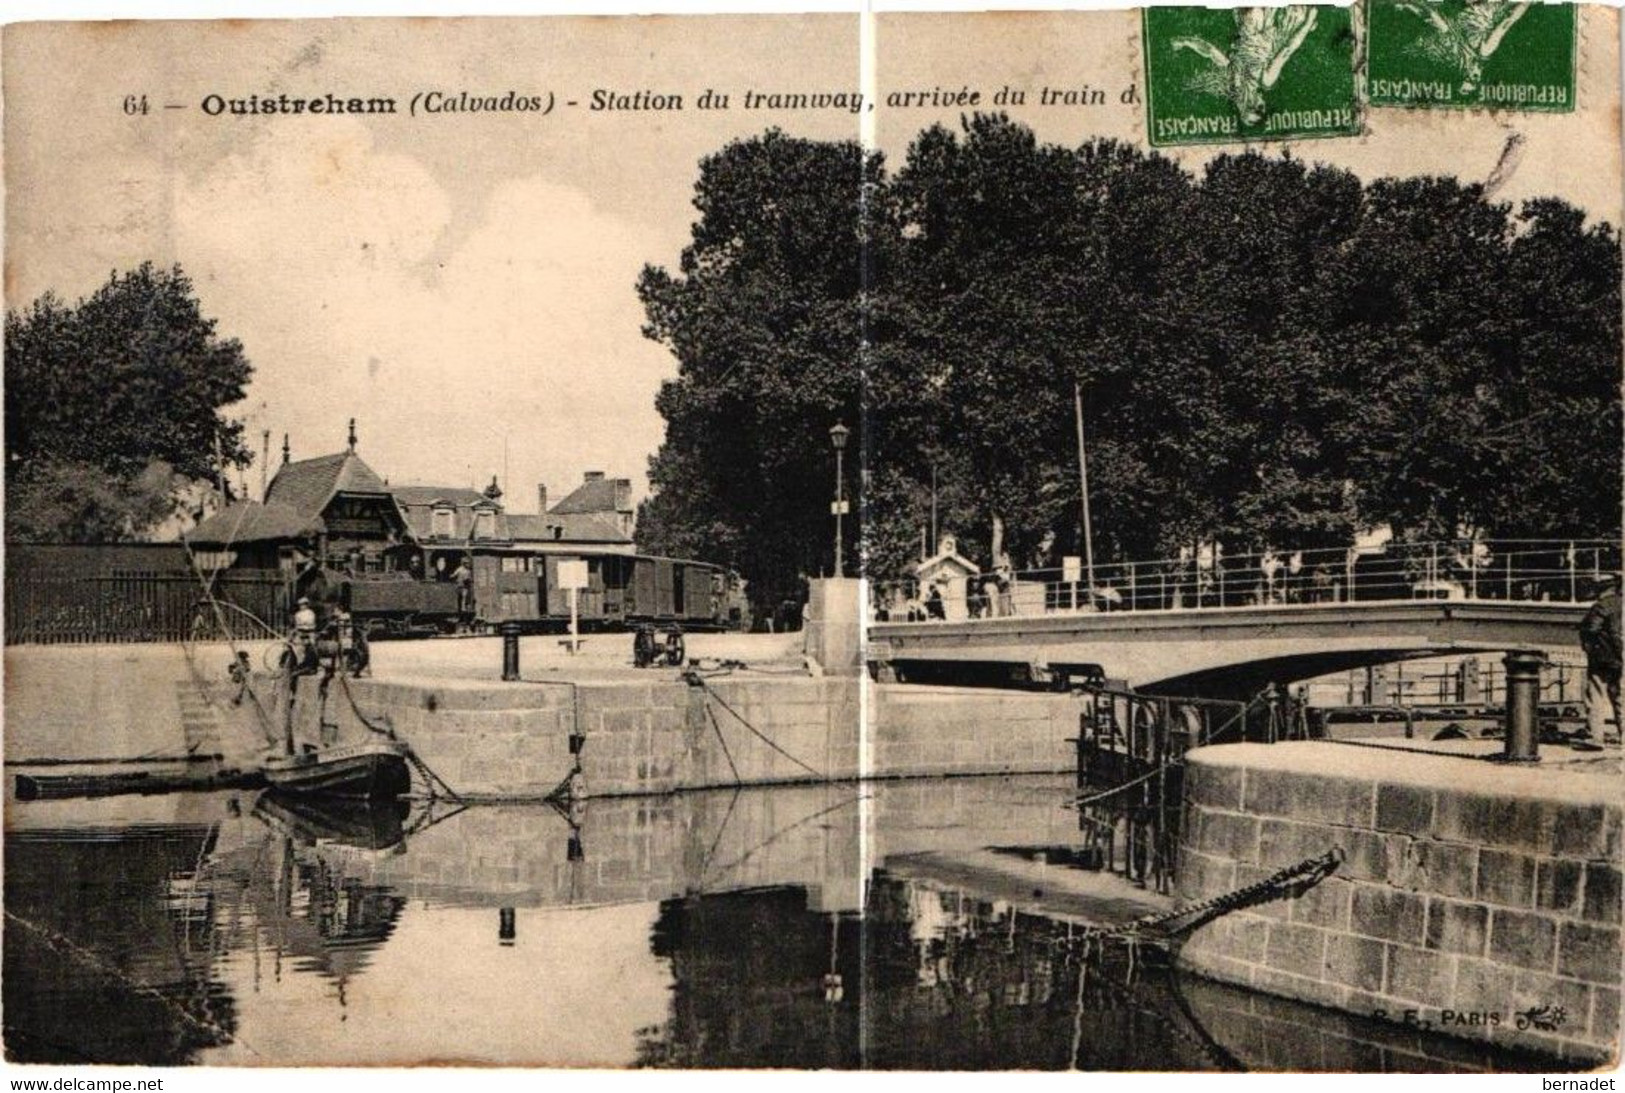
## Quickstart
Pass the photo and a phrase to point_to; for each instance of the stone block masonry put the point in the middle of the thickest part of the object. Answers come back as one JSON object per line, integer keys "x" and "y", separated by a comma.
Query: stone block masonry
{"x": 928, "y": 731}
{"x": 665, "y": 735}
{"x": 650, "y": 733}
{"x": 514, "y": 740}
{"x": 1478, "y": 899}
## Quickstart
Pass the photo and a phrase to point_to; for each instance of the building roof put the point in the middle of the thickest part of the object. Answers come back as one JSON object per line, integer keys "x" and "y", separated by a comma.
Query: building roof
{"x": 593, "y": 495}
{"x": 458, "y": 496}
{"x": 530, "y": 526}
{"x": 946, "y": 557}
{"x": 566, "y": 528}
{"x": 250, "y": 521}
{"x": 308, "y": 485}
{"x": 418, "y": 503}
{"x": 587, "y": 528}
{"x": 420, "y": 521}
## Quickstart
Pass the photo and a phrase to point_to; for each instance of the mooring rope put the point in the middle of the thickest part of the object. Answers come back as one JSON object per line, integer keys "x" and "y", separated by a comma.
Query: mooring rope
{"x": 266, "y": 724}
{"x": 723, "y": 741}
{"x": 846, "y": 802}
{"x": 763, "y": 737}
{"x": 419, "y": 764}
{"x": 1082, "y": 802}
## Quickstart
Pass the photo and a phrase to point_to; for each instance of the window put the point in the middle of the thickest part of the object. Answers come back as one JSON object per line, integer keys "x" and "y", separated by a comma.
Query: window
{"x": 485, "y": 523}
{"x": 444, "y": 523}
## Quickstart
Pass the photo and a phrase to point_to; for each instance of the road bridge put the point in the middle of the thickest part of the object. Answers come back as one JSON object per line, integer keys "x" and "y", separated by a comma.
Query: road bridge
{"x": 1228, "y": 650}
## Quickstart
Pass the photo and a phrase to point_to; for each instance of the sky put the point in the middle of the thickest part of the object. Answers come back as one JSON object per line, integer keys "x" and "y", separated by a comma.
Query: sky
{"x": 463, "y": 285}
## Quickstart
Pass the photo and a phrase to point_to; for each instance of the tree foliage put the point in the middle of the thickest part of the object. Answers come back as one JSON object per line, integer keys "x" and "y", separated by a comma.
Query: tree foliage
{"x": 82, "y": 503}
{"x": 113, "y": 407}
{"x": 765, "y": 317}
{"x": 1268, "y": 353}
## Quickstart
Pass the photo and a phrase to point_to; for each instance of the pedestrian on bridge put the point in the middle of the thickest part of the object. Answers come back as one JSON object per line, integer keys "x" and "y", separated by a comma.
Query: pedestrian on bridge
{"x": 1600, "y": 638}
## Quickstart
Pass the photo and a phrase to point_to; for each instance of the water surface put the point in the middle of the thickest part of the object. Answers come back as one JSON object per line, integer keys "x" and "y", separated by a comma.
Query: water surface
{"x": 919, "y": 924}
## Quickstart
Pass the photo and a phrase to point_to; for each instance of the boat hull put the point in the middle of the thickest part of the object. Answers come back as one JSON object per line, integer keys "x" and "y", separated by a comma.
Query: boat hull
{"x": 369, "y": 771}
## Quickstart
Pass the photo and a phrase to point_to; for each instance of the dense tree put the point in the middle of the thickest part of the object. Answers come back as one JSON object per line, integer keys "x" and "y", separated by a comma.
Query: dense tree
{"x": 82, "y": 503}
{"x": 1269, "y": 353}
{"x": 113, "y": 407}
{"x": 765, "y": 318}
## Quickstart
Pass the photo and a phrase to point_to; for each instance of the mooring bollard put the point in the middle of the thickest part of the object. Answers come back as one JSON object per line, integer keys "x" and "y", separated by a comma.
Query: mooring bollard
{"x": 1523, "y": 702}
{"x": 510, "y": 652}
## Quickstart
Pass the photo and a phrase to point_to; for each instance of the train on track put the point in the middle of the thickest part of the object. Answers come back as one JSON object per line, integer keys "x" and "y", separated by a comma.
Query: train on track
{"x": 622, "y": 592}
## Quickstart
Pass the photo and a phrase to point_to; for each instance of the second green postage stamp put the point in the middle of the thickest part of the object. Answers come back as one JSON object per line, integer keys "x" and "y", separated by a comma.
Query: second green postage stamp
{"x": 1492, "y": 54}
{"x": 1246, "y": 74}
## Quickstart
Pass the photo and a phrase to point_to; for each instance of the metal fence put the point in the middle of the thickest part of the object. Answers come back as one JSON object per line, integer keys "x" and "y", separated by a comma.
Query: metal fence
{"x": 132, "y": 605}
{"x": 1564, "y": 571}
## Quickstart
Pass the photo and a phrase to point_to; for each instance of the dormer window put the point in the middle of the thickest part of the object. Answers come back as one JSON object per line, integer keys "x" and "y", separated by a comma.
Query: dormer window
{"x": 444, "y": 522}
{"x": 485, "y": 524}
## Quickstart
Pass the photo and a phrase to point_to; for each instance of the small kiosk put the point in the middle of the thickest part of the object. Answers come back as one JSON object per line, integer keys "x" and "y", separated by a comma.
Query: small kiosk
{"x": 948, "y": 571}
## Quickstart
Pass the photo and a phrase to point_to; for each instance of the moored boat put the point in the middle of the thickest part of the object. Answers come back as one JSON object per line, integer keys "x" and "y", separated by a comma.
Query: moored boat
{"x": 370, "y": 769}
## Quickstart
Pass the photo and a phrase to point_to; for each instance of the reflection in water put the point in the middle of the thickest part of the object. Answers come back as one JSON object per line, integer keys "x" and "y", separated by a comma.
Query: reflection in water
{"x": 734, "y": 929}
{"x": 930, "y": 980}
{"x": 749, "y": 983}
{"x": 97, "y": 923}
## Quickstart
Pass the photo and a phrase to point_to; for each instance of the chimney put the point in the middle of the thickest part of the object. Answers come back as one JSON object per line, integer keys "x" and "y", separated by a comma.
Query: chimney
{"x": 541, "y": 498}
{"x": 593, "y": 476}
{"x": 287, "y": 453}
{"x": 352, "y": 434}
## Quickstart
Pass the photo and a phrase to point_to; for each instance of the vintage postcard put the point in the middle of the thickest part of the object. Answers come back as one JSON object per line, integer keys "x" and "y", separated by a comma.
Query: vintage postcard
{"x": 1006, "y": 541}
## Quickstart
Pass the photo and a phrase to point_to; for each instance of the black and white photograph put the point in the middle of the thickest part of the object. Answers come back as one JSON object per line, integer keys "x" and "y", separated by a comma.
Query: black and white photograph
{"x": 847, "y": 541}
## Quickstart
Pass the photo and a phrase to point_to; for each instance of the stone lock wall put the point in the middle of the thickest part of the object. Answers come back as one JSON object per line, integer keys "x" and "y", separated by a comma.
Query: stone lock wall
{"x": 514, "y": 740}
{"x": 1474, "y": 898}
{"x": 926, "y": 731}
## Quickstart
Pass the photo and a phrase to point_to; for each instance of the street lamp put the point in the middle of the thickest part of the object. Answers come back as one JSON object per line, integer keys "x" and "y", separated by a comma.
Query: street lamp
{"x": 837, "y": 437}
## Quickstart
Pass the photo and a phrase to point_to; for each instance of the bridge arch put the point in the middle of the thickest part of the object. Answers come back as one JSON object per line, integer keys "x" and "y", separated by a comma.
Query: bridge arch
{"x": 1235, "y": 651}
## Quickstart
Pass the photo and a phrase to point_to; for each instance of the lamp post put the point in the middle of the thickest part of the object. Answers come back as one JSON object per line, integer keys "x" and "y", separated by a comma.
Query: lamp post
{"x": 837, "y": 437}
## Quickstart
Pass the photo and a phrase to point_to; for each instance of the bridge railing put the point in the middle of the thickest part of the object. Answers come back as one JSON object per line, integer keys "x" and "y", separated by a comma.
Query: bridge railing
{"x": 1557, "y": 571}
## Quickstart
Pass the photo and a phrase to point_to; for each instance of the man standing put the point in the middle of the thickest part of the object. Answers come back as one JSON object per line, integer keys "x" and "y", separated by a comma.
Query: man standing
{"x": 304, "y": 635}
{"x": 1600, "y": 638}
{"x": 464, "y": 578}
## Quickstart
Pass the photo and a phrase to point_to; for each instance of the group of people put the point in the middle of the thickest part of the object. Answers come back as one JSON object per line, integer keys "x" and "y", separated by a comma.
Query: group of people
{"x": 336, "y": 639}
{"x": 991, "y": 595}
{"x": 987, "y": 596}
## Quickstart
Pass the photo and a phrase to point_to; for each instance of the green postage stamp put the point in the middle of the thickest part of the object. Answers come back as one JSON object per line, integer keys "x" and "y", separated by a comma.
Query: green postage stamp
{"x": 1244, "y": 74}
{"x": 1488, "y": 53}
